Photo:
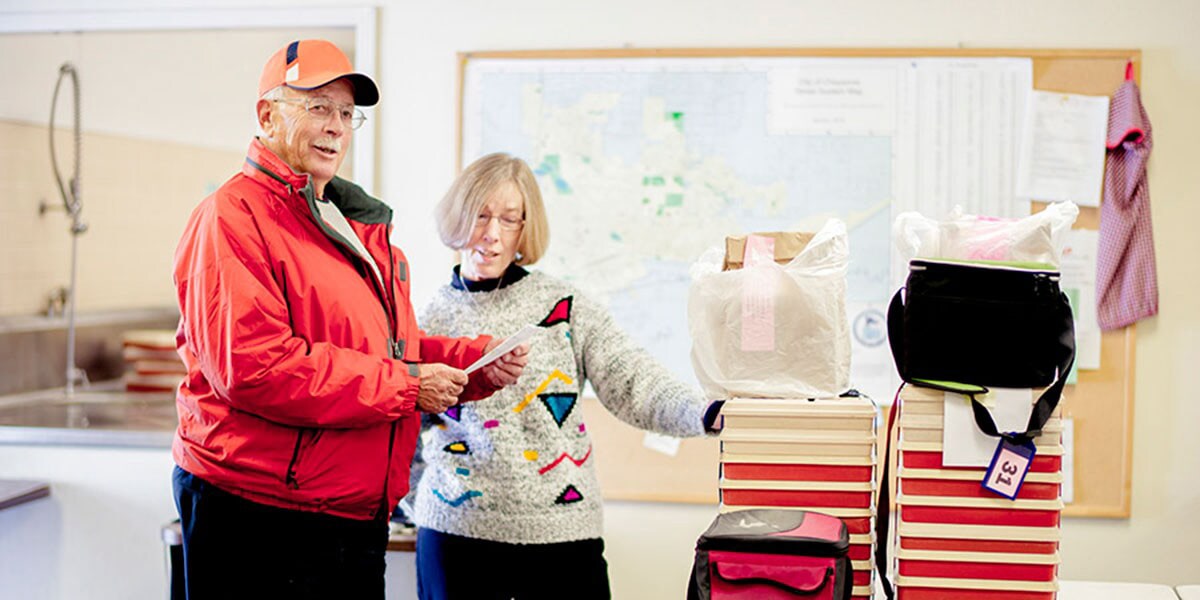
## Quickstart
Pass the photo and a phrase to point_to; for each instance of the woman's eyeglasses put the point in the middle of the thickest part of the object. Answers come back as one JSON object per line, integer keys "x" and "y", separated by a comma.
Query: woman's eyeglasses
{"x": 507, "y": 223}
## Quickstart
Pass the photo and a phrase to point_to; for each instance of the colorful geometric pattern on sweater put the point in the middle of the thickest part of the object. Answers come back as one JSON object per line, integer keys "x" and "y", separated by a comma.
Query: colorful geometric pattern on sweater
{"x": 521, "y": 460}
{"x": 559, "y": 314}
{"x": 569, "y": 495}
{"x": 459, "y": 447}
{"x": 564, "y": 456}
{"x": 559, "y": 405}
{"x": 556, "y": 374}
{"x": 454, "y": 412}
{"x": 467, "y": 495}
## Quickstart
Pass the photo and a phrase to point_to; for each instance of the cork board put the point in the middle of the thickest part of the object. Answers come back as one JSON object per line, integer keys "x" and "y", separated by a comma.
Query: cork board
{"x": 1101, "y": 403}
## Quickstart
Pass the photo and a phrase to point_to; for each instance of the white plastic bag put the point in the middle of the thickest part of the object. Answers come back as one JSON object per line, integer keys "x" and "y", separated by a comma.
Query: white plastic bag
{"x": 770, "y": 330}
{"x": 1036, "y": 238}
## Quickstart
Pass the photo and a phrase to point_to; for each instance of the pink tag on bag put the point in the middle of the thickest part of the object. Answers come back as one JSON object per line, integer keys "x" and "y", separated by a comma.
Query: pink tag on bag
{"x": 758, "y": 295}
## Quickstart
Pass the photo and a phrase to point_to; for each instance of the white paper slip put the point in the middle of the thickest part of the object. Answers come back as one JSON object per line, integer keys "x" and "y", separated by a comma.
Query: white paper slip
{"x": 661, "y": 443}
{"x": 508, "y": 344}
{"x": 963, "y": 444}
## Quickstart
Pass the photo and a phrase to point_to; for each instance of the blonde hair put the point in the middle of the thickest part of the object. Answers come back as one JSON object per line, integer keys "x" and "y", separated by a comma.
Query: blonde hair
{"x": 462, "y": 204}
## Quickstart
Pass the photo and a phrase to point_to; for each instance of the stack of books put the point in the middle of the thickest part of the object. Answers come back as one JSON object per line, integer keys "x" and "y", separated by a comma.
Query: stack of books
{"x": 151, "y": 362}
{"x": 956, "y": 539}
{"x": 814, "y": 455}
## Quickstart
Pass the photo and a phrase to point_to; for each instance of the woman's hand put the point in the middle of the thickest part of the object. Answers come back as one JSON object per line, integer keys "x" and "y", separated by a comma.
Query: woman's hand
{"x": 505, "y": 371}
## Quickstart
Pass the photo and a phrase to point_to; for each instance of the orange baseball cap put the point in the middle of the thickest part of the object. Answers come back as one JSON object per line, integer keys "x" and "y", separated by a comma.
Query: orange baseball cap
{"x": 310, "y": 64}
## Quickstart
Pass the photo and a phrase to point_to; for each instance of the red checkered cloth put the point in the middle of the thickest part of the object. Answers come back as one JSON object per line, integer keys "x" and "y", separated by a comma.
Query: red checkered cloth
{"x": 1127, "y": 280}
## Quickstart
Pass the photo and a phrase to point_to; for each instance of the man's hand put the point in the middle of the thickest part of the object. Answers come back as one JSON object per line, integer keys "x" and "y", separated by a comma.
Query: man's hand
{"x": 439, "y": 387}
{"x": 505, "y": 371}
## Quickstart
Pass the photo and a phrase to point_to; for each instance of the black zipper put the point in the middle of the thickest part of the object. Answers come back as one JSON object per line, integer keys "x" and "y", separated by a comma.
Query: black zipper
{"x": 385, "y": 511}
{"x": 291, "y": 469}
{"x": 387, "y": 301}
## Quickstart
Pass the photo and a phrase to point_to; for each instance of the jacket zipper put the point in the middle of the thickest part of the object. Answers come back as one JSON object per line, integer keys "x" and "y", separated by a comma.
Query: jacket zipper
{"x": 291, "y": 480}
{"x": 385, "y": 512}
{"x": 387, "y": 301}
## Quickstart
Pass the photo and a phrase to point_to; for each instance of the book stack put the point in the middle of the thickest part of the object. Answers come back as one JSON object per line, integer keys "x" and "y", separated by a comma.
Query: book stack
{"x": 814, "y": 455}
{"x": 151, "y": 362}
{"x": 956, "y": 539}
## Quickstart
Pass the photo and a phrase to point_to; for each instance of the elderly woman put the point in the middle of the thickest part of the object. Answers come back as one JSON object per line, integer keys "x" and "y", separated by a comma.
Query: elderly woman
{"x": 508, "y": 504}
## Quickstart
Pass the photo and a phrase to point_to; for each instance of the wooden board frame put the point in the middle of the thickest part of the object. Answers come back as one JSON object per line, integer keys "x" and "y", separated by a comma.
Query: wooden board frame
{"x": 1100, "y": 404}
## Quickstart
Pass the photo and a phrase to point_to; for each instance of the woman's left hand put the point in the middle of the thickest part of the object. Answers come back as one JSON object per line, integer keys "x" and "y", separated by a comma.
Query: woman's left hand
{"x": 505, "y": 371}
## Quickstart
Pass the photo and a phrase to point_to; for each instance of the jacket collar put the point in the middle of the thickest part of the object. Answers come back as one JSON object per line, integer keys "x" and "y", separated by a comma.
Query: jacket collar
{"x": 264, "y": 166}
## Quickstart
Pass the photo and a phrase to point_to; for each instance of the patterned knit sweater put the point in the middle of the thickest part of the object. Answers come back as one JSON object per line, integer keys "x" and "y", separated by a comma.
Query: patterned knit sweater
{"x": 519, "y": 467}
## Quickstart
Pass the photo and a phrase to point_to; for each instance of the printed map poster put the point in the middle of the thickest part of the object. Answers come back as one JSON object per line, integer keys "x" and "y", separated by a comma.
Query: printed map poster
{"x": 645, "y": 163}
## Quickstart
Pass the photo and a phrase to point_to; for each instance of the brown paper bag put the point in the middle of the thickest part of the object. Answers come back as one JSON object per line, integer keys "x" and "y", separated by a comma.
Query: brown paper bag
{"x": 787, "y": 245}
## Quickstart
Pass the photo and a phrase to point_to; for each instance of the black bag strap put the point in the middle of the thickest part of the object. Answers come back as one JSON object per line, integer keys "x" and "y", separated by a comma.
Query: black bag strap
{"x": 895, "y": 319}
{"x": 1048, "y": 401}
{"x": 883, "y": 506}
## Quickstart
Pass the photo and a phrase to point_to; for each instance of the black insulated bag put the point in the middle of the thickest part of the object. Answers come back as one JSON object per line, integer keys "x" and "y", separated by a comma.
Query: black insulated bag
{"x": 964, "y": 326}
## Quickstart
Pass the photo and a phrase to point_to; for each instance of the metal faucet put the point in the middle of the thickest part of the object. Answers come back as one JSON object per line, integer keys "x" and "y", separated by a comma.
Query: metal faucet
{"x": 56, "y": 303}
{"x": 74, "y": 206}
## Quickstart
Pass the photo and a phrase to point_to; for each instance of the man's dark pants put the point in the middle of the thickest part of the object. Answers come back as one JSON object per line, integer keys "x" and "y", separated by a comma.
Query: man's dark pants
{"x": 234, "y": 548}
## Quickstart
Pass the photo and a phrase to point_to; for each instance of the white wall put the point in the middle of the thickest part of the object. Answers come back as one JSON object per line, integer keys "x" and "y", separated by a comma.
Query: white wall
{"x": 417, "y": 71}
{"x": 154, "y": 143}
{"x": 144, "y": 85}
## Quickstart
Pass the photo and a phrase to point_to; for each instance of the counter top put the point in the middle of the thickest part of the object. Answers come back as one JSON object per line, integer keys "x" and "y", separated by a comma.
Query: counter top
{"x": 20, "y": 491}
{"x": 101, "y": 415}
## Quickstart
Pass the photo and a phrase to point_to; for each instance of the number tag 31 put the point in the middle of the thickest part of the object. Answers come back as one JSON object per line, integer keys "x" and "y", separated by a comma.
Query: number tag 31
{"x": 1009, "y": 466}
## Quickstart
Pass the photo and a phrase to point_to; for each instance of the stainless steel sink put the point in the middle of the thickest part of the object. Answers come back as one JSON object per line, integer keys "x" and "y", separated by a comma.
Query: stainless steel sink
{"x": 89, "y": 409}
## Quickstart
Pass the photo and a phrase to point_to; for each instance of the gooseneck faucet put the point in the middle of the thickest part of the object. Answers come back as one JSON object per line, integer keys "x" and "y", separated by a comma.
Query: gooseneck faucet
{"x": 73, "y": 204}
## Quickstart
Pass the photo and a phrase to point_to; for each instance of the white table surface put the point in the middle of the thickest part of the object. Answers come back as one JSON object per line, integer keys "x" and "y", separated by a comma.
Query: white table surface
{"x": 1104, "y": 590}
{"x": 1188, "y": 592}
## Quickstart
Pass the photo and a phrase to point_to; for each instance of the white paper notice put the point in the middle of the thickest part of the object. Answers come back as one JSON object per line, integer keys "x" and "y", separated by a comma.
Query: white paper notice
{"x": 1078, "y": 267}
{"x": 963, "y": 445}
{"x": 957, "y": 139}
{"x": 508, "y": 344}
{"x": 1062, "y": 148}
{"x": 661, "y": 443}
{"x": 833, "y": 97}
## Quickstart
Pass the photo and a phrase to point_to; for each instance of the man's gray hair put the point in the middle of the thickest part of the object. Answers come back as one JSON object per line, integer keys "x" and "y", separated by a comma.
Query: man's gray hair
{"x": 275, "y": 93}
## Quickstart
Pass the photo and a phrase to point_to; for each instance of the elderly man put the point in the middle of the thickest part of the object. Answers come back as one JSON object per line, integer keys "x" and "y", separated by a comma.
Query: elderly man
{"x": 306, "y": 370}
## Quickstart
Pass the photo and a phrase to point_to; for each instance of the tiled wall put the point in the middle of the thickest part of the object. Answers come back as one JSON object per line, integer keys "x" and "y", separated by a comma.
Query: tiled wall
{"x": 137, "y": 195}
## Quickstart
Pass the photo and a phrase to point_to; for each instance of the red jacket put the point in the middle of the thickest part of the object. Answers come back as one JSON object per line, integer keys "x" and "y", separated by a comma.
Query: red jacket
{"x": 298, "y": 394}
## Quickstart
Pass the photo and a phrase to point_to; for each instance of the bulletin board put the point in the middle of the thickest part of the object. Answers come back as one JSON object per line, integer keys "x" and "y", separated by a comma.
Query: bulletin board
{"x": 1100, "y": 404}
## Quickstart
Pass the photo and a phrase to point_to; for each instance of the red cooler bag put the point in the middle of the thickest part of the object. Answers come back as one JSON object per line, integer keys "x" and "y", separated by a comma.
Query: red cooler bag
{"x": 765, "y": 554}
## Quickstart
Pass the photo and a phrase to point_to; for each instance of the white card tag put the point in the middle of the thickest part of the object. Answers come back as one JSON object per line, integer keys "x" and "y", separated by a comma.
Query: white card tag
{"x": 661, "y": 443}
{"x": 1009, "y": 466}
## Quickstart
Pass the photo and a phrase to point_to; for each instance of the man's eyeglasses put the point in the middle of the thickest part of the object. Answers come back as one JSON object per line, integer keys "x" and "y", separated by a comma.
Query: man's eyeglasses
{"x": 324, "y": 108}
{"x": 507, "y": 223}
